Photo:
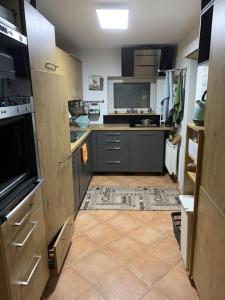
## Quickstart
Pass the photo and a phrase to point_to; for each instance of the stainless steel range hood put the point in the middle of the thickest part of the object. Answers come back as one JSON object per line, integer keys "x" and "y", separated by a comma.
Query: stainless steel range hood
{"x": 146, "y": 63}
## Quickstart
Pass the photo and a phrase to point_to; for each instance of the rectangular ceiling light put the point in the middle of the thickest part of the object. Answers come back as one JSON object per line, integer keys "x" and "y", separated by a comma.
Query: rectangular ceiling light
{"x": 113, "y": 18}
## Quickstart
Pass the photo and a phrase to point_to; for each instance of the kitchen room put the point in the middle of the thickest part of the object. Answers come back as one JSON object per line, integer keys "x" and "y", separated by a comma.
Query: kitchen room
{"x": 112, "y": 168}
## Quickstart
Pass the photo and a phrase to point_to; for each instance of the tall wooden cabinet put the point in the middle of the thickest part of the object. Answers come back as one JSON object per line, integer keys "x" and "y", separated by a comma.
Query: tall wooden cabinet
{"x": 54, "y": 148}
{"x": 209, "y": 250}
{"x": 53, "y": 135}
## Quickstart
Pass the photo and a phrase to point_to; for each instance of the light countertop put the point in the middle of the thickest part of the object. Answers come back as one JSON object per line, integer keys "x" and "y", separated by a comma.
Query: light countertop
{"x": 105, "y": 127}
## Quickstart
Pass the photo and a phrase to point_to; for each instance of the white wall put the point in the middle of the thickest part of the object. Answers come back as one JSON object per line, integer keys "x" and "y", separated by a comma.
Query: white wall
{"x": 104, "y": 62}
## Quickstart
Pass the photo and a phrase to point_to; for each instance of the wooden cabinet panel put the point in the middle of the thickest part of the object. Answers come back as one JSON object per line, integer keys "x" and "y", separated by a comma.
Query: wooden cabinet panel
{"x": 79, "y": 85}
{"x": 71, "y": 69}
{"x": 214, "y": 147}
{"x": 61, "y": 245}
{"x": 54, "y": 149}
{"x": 209, "y": 262}
{"x": 41, "y": 40}
{"x": 25, "y": 252}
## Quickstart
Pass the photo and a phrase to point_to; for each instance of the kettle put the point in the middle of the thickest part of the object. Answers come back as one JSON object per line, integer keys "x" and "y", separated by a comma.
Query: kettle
{"x": 199, "y": 111}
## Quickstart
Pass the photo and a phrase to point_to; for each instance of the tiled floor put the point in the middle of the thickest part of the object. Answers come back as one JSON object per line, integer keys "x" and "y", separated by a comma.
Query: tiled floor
{"x": 123, "y": 255}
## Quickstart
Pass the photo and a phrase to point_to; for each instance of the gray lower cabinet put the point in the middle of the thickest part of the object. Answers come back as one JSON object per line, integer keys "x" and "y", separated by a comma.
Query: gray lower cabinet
{"x": 76, "y": 181}
{"x": 129, "y": 151}
{"x": 147, "y": 151}
{"x": 82, "y": 172}
{"x": 85, "y": 169}
{"x": 112, "y": 151}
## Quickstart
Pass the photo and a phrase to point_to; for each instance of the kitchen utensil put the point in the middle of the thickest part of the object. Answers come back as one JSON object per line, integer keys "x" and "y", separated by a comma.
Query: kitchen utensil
{"x": 199, "y": 111}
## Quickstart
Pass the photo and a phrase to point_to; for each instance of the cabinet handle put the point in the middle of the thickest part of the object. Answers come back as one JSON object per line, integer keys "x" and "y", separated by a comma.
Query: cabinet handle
{"x": 19, "y": 223}
{"x": 65, "y": 160}
{"x": 114, "y": 148}
{"x": 113, "y": 134}
{"x": 16, "y": 244}
{"x": 113, "y": 162}
{"x": 148, "y": 134}
{"x": 112, "y": 141}
{"x": 26, "y": 283}
{"x": 51, "y": 66}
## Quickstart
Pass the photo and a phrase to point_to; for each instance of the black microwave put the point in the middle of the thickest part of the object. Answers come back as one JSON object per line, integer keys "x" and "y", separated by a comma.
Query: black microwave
{"x": 15, "y": 79}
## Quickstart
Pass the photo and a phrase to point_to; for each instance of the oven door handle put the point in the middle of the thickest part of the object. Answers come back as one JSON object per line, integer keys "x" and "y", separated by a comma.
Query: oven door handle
{"x": 14, "y": 211}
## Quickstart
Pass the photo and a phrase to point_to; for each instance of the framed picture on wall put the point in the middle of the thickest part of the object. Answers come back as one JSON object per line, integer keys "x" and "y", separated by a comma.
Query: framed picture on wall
{"x": 96, "y": 83}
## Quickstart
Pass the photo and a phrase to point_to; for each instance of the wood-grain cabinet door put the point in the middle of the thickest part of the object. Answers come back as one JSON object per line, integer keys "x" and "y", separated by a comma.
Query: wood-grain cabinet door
{"x": 79, "y": 86}
{"x": 41, "y": 40}
{"x": 54, "y": 149}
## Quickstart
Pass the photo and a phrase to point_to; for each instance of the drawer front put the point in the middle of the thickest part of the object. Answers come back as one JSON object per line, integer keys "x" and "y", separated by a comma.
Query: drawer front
{"x": 21, "y": 214}
{"x": 27, "y": 258}
{"x": 61, "y": 245}
{"x": 112, "y": 158}
{"x": 112, "y": 138}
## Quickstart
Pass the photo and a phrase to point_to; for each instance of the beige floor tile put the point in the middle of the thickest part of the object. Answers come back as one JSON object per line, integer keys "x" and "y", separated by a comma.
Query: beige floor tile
{"x": 123, "y": 223}
{"x": 162, "y": 223}
{"x": 80, "y": 247}
{"x": 102, "y": 234}
{"x": 148, "y": 267}
{"x": 145, "y": 235}
{"x": 104, "y": 215}
{"x": 123, "y": 249}
{"x": 84, "y": 221}
{"x": 91, "y": 295}
{"x": 69, "y": 286}
{"x": 167, "y": 250}
{"x": 176, "y": 285}
{"x": 121, "y": 285}
{"x": 142, "y": 216}
{"x": 155, "y": 294}
{"x": 93, "y": 267}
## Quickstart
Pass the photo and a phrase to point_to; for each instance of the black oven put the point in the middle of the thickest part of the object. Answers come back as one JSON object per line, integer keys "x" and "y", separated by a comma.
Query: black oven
{"x": 14, "y": 67}
{"x": 18, "y": 164}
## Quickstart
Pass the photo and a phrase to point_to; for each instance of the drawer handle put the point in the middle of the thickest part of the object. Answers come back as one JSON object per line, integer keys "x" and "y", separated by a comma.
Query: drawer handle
{"x": 16, "y": 244}
{"x": 113, "y": 134}
{"x": 112, "y": 141}
{"x": 26, "y": 283}
{"x": 51, "y": 66}
{"x": 114, "y": 148}
{"x": 24, "y": 218}
{"x": 148, "y": 134}
{"x": 113, "y": 162}
{"x": 65, "y": 160}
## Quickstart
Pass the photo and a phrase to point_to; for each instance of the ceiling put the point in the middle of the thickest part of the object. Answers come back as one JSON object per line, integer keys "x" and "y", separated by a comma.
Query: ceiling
{"x": 150, "y": 21}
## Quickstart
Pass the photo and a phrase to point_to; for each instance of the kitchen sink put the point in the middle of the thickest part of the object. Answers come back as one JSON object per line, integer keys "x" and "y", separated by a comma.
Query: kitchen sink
{"x": 76, "y": 134}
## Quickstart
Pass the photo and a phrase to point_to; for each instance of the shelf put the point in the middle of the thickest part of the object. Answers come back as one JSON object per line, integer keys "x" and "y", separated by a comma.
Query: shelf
{"x": 192, "y": 159}
{"x": 195, "y": 128}
{"x": 192, "y": 176}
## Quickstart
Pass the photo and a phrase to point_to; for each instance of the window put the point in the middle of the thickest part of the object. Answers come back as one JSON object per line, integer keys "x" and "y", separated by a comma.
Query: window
{"x": 132, "y": 95}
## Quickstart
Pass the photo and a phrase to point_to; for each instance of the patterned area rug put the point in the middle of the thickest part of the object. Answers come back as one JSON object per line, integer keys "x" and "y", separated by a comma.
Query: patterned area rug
{"x": 131, "y": 198}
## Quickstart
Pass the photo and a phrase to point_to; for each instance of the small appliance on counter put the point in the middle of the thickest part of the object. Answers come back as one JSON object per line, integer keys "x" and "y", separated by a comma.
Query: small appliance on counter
{"x": 145, "y": 121}
{"x": 199, "y": 110}
{"x": 77, "y": 109}
{"x": 82, "y": 121}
